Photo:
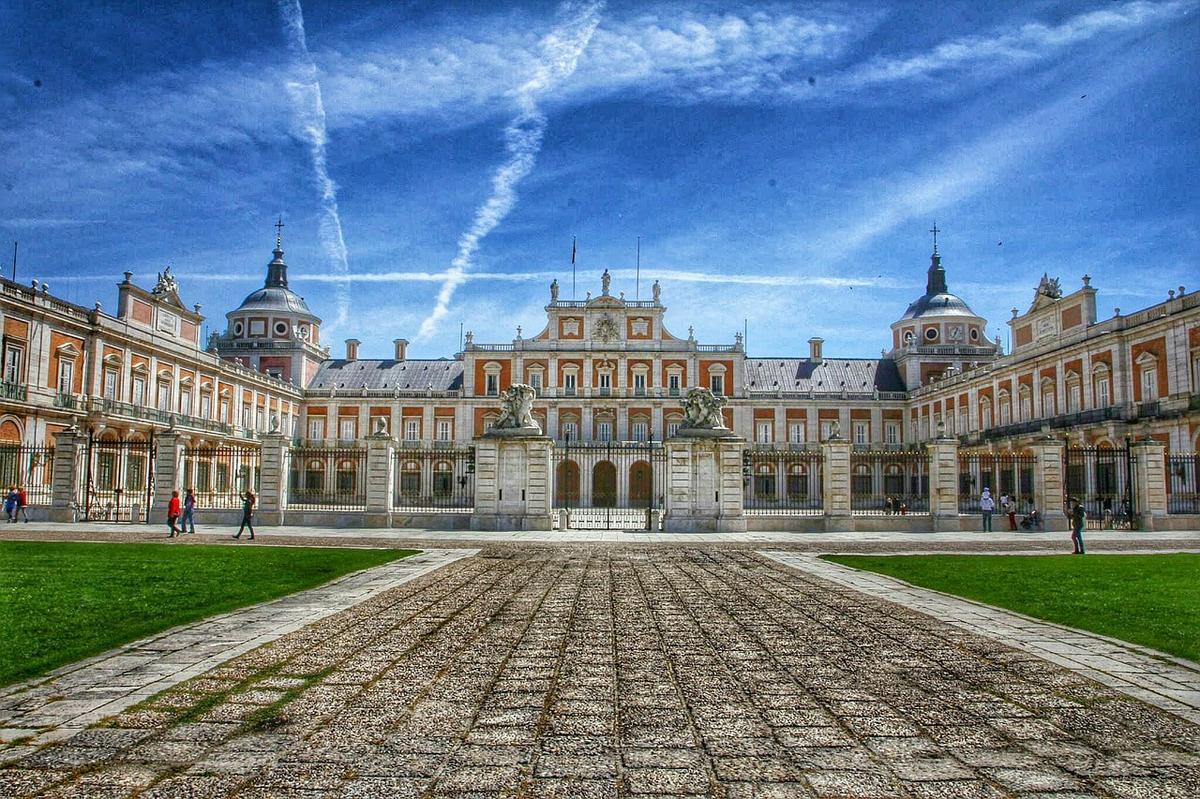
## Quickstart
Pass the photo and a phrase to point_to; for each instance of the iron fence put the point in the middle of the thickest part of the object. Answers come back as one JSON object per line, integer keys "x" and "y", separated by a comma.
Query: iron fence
{"x": 782, "y": 482}
{"x": 609, "y": 484}
{"x": 892, "y": 482}
{"x": 118, "y": 481}
{"x": 1006, "y": 475}
{"x": 220, "y": 476}
{"x": 1102, "y": 478}
{"x": 1183, "y": 481}
{"x": 323, "y": 478}
{"x": 27, "y": 468}
{"x": 434, "y": 479}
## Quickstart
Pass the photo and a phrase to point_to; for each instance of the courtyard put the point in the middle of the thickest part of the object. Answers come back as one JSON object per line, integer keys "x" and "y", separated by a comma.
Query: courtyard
{"x": 541, "y": 668}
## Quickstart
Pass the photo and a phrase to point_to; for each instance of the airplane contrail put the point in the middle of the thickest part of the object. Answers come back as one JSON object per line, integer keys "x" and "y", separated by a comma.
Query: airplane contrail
{"x": 560, "y": 51}
{"x": 309, "y": 110}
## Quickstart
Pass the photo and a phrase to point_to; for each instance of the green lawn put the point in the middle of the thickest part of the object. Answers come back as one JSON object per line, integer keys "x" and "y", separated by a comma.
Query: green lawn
{"x": 60, "y": 602}
{"x": 1153, "y": 600}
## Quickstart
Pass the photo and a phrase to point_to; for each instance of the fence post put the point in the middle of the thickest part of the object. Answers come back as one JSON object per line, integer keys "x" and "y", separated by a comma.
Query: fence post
{"x": 1150, "y": 483}
{"x": 70, "y": 448}
{"x": 512, "y": 481}
{"x": 381, "y": 466}
{"x": 704, "y": 491}
{"x": 943, "y": 482}
{"x": 272, "y": 496}
{"x": 835, "y": 486}
{"x": 1049, "y": 480}
{"x": 168, "y": 458}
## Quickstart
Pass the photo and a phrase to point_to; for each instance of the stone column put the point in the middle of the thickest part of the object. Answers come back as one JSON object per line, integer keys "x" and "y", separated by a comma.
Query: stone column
{"x": 1150, "y": 483}
{"x": 835, "y": 490}
{"x": 168, "y": 462}
{"x": 272, "y": 496}
{"x": 66, "y": 474}
{"x": 704, "y": 484}
{"x": 1049, "y": 480}
{"x": 512, "y": 482}
{"x": 943, "y": 482}
{"x": 381, "y": 468}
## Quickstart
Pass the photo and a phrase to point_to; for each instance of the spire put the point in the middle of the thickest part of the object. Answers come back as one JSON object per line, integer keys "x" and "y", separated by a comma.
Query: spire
{"x": 935, "y": 283}
{"x": 277, "y": 269}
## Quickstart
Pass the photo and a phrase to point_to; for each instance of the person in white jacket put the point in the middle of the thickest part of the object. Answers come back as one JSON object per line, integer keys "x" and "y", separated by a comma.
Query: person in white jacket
{"x": 987, "y": 506}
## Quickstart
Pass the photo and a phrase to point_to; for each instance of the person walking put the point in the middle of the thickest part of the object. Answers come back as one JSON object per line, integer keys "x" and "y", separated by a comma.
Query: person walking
{"x": 247, "y": 515}
{"x": 1078, "y": 518}
{"x": 1009, "y": 506}
{"x": 173, "y": 514}
{"x": 188, "y": 524}
{"x": 987, "y": 506}
{"x": 22, "y": 504}
{"x": 10, "y": 504}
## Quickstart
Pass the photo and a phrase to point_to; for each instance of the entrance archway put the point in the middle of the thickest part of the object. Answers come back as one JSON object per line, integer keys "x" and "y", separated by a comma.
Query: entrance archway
{"x": 566, "y": 485}
{"x": 604, "y": 485}
{"x": 640, "y": 482}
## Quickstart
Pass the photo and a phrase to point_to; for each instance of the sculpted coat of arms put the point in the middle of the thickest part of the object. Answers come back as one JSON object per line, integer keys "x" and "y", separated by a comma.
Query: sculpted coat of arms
{"x": 606, "y": 329}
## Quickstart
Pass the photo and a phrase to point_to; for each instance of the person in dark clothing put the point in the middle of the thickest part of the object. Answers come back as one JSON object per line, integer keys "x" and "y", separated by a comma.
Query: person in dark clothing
{"x": 247, "y": 515}
{"x": 173, "y": 510}
{"x": 1078, "y": 519}
{"x": 188, "y": 523}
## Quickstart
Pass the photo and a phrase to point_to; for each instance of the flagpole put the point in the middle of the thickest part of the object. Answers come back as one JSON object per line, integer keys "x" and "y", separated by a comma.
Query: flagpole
{"x": 637, "y": 286}
{"x": 573, "y": 295}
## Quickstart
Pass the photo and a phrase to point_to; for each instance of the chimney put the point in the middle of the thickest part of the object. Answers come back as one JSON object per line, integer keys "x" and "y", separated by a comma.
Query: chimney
{"x": 352, "y": 349}
{"x": 401, "y": 348}
{"x": 814, "y": 349}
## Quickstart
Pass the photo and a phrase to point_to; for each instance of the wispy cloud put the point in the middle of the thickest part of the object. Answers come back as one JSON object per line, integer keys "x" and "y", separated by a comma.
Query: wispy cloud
{"x": 309, "y": 112}
{"x": 560, "y": 50}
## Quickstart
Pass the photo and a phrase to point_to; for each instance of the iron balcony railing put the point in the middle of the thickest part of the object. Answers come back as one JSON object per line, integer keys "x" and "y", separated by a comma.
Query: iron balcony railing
{"x": 13, "y": 391}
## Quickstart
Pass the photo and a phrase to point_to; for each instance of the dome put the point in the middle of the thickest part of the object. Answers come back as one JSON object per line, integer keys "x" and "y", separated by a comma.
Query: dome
{"x": 937, "y": 300}
{"x": 275, "y": 296}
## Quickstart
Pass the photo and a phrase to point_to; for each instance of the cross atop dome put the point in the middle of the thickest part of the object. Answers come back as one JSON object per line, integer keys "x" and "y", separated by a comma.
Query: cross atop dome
{"x": 934, "y": 230}
{"x": 277, "y": 269}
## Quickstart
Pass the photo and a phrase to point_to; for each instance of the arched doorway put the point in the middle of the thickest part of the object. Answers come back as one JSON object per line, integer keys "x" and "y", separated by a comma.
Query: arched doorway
{"x": 640, "y": 481}
{"x": 604, "y": 485}
{"x": 566, "y": 484}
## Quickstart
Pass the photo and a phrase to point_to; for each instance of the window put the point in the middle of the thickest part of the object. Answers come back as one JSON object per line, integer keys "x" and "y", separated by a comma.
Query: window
{"x": 762, "y": 432}
{"x": 826, "y": 429}
{"x": 570, "y": 431}
{"x": 205, "y": 406}
{"x": 605, "y": 384}
{"x": 716, "y": 382}
{"x": 412, "y": 429}
{"x": 962, "y": 419}
{"x": 1048, "y": 401}
{"x": 164, "y": 396}
{"x": 672, "y": 428}
{"x": 12, "y": 364}
{"x": 247, "y": 419}
{"x": 1026, "y": 405}
{"x": 185, "y": 402}
{"x": 1149, "y": 376}
{"x": 1074, "y": 397}
{"x": 1102, "y": 395}
{"x": 224, "y": 411}
{"x": 110, "y": 384}
{"x": 604, "y": 431}
{"x": 443, "y": 430}
{"x": 66, "y": 376}
{"x": 1005, "y": 410}
{"x": 535, "y": 380}
{"x": 673, "y": 381}
{"x": 796, "y": 432}
{"x": 641, "y": 430}
{"x": 891, "y": 432}
{"x": 316, "y": 428}
{"x": 258, "y": 327}
{"x": 347, "y": 428}
{"x": 492, "y": 384}
{"x": 260, "y": 419}
{"x": 639, "y": 383}
{"x": 860, "y": 432}
{"x": 570, "y": 383}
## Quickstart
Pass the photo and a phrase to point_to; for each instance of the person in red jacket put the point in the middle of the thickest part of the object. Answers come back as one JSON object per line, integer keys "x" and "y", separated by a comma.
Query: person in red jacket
{"x": 173, "y": 511}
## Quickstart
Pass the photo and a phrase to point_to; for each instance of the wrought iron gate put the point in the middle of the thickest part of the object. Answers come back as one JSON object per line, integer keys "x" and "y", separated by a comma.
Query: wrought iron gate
{"x": 609, "y": 485}
{"x": 118, "y": 476}
{"x": 1102, "y": 478}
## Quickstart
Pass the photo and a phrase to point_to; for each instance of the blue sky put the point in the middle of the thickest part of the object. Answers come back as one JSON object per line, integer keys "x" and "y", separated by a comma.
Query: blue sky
{"x": 781, "y": 162}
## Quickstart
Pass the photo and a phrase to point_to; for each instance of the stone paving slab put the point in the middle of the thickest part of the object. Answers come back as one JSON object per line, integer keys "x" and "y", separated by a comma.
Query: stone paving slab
{"x": 1157, "y": 678}
{"x": 605, "y": 672}
{"x": 71, "y": 698}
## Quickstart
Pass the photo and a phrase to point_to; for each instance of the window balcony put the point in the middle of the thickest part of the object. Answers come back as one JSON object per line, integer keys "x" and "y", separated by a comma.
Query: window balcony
{"x": 13, "y": 391}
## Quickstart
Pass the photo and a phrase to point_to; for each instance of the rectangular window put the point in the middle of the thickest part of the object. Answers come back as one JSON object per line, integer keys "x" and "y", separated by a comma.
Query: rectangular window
{"x": 225, "y": 411}
{"x": 412, "y": 429}
{"x": 891, "y": 433}
{"x": 641, "y": 431}
{"x": 604, "y": 431}
{"x": 66, "y": 376}
{"x": 569, "y": 384}
{"x": 860, "y": 432}
{"x": 717, "y": 384}
{"x": 1026, "y": 408}
{"x": 205, "y": 406}
{"x": 260, "y": 420}
{"x": 12, "y": 364}
{"x": 1149, "y": 384}
{"x": 639, "y": 383}
{"x": 672, "y": 429}
{"x": 797, "y": 432}
{"x": 247, "y": 419}
{"x": 347, "y": 428}
{"x": 110, "y": 384}
{"x": 570, "y": 431}
{"x": 1102, "y": 399}
{"x": 492, "y": 385}
{"x": 535, "y": 380}
{"x": 164, "y": 396}
{"x": 762, "y": 432}
{"x": 605, "y": 384}
{"x": 826, "y": 429}
{"x": 443, "y": 429}
{"x": 316, "y": 428}
{"x": 185, "y": 402}
{"x": 1048, "y": 404}
{"x": 673, "y": 381}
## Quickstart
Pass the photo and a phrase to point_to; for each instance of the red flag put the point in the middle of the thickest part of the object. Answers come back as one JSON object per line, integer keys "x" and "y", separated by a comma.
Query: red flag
{"x": 572, "y": 251}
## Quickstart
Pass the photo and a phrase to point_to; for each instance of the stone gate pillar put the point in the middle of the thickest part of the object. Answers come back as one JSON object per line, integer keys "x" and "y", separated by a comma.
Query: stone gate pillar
{"x": 381, "y": 478}
{"x": 512, "y": 481}
{"x": 835, "y": 484}
{"x": 1049, "y": 481}
{"x": 704, "y": 483}
{"x": 66, "y": 474}
{"x": 272, "y": 490}
{"x": 943, "y": 482}
{"x": 168, "y": 463}
{"x": 1149, "y": 483}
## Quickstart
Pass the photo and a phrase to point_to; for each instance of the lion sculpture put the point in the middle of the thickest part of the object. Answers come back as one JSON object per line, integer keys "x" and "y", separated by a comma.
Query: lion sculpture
{"x": 702, "y": 410}
{"x": 516, "y": 406}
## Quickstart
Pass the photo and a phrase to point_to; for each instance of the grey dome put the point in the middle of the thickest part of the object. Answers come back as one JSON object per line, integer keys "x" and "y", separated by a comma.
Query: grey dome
{"x": 276, "y": 299}
{"x": 937, "y": 300}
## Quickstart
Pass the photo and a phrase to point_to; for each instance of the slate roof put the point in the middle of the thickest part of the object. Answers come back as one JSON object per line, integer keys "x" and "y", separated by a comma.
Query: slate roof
{"x": 441, "y": 374}
{"x": 829, "y": 376}
{"x": 274, "y": 298}
{"x": 939, "y": 304}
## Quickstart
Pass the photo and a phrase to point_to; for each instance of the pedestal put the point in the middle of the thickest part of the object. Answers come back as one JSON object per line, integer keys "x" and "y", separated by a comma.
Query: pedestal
{"x": 381, "y": 449}
{"x": 704, "y": 485}
{"x": 70, "y": 449}
{"x": 835, "y": 485}
{"x": 168, "y": 458}
{"x": 1048, "y": 482}
{"x": 272, "y": 494}
{"x": 1150, "y": 483}
{"x": 512, "y": 482}
{"x": 943, "y": 484}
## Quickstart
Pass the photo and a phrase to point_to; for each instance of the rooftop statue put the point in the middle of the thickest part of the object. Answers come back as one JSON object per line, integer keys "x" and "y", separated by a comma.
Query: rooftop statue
{"x": 554, "y": 290}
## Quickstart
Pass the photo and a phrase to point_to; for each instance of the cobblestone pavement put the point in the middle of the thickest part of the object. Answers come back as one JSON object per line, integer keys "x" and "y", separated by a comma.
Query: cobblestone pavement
{"x": 542, "y": 672}
{"x": 73, "y": 697}
{"x": 1162, "y": 680}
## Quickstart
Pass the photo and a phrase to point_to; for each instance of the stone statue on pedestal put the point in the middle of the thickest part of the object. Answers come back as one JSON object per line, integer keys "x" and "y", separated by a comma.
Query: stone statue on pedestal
{"x": 702, "y": 416}
{"x": 516, "y": 413}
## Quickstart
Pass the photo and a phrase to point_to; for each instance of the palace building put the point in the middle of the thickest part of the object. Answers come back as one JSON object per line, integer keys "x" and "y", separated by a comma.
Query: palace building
{"x": 605, "y": 369}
